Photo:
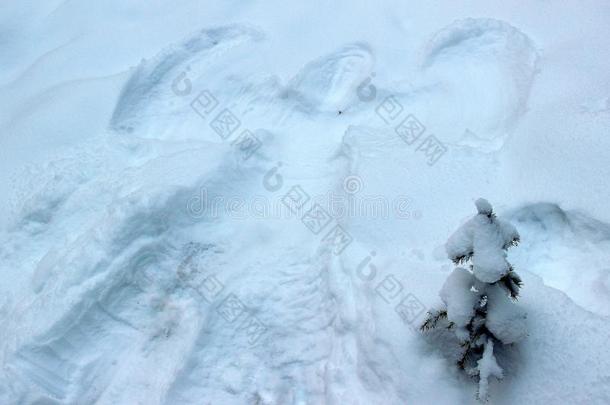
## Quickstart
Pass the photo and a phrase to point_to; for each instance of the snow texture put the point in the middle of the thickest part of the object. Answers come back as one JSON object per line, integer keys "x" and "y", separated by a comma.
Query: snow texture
{"x": 480, "y": 312}
{"x": 488, "y": 367}
{"x": 131, "y": 230}
{"x": 458, "y": 296}
{"x": 483, "y": 239}
{"x": 483, "y": 206}
{"x": 505, "y": 319}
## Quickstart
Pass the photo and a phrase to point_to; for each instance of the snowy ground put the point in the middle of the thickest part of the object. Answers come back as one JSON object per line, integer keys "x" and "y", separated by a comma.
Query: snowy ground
{"x": 153, "y": 252}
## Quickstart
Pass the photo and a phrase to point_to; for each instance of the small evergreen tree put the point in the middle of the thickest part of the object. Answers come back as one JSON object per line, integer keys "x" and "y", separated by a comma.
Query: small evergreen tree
{"x": 478, "y": 299}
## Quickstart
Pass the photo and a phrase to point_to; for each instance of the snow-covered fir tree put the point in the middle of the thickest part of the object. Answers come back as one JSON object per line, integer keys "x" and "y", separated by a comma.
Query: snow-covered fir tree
{"x": 478, "y": 295}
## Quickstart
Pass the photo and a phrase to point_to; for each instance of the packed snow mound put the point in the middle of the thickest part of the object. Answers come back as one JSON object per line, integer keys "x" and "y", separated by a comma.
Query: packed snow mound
{"x": 580, "y": 370}
{"x": 573, "y": 252}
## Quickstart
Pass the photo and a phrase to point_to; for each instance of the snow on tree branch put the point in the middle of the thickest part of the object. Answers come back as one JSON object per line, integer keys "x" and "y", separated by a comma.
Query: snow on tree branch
{"x": 478, "y": 302}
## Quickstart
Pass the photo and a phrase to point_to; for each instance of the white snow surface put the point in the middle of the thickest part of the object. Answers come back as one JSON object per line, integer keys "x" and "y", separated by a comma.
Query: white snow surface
{"x": 505, "y": 319}
{"x": 483, "y": 240}
{"x": 458, "y": 296}
{"x": 488, "y": 367}
{"x": 148, "y": 260}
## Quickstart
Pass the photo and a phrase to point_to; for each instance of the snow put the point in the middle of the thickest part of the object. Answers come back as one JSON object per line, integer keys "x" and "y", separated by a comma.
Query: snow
{"x": 488, "y": 367}
{"x": 489, "y": 260}
{"x": 483, "y": 206}
{"x": 483, "y": 239}
{"x": 579, "y": 242}
{"x": 458, "y": 296}
{"x": 147, "y": 259}
{"x": 505, "y": 319}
